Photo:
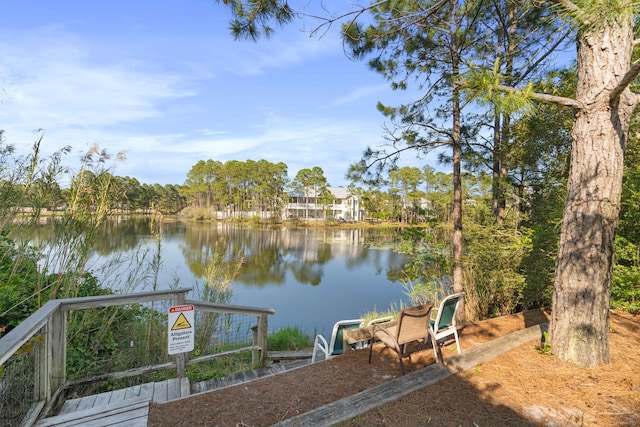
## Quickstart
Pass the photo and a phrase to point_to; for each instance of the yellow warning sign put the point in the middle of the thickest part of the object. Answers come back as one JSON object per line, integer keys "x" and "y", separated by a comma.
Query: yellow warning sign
{"x": 181, "y": 323}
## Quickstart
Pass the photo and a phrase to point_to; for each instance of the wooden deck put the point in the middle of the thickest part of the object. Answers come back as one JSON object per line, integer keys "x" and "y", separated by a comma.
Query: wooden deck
{"x": 130, "y": 406}
{"x": 125, "y": 407}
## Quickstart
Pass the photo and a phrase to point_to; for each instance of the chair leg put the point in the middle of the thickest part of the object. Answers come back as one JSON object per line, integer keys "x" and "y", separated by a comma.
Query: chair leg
{"x": 370, "y": 351}
{"x": 436, "y": 347}
{"x": 401, "y": 364}
{"x": 455, "y": 333}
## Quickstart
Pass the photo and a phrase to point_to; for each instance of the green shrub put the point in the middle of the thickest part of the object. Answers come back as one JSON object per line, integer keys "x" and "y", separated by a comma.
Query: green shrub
{"x": 291, "y": 338}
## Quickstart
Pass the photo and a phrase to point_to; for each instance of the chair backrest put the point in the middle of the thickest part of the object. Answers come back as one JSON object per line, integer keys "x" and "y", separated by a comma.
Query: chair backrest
{"x": 446, "y": 317}
{"x": 336, "y": 345}
{"x": 413, "y": 323}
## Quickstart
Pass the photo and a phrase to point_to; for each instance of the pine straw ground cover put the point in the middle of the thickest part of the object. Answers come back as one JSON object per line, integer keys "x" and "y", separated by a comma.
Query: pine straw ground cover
{"x": 520, "y": 387}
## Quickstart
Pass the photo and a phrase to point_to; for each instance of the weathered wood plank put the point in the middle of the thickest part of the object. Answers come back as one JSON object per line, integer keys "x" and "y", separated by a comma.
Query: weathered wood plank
{"x": 22, "y": 333}
{"x": 185, "y": 387}
{"x": 131, "y": 392}
{"x": 160, "y": 392}
{"x": 173, "y": 388}
{"x": 130, "y": 412}
{"x": 146, "y": 391}
{"x": 69, "y": 406}
{"x": 357, "y": 404}
{"x": 480, "y": 354}
{"x": 103, "y": 399}
{"x": 120, "y": 299}
{"x": 33, "y": 414}
{"x": 289, "y": 355}
{"x": 117, "y": 395}
{"x": 86, "y": 402}
{"x": 232, "y": 309}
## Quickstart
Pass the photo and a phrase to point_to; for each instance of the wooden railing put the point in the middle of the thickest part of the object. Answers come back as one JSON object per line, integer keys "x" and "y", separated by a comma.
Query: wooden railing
{"x": 50, "y": 323}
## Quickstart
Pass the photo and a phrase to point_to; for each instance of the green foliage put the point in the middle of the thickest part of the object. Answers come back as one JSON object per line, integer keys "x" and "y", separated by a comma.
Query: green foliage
{"x": 484, "y": 87}
{"x": 310, "y": 181}
{"x": 625, "y": 284}
{"x": 112, "y": 339}
{"x": 219, "y": 367}
{"x": 494, "y": 281}
{"x": 291, "y": 338}
{"x": 235, "y": 187}
{"x": 426, "y": 277}
{"x": 392, "y": 311}
{"x": 252, "y": 18}
{"x": 19, "y": 282}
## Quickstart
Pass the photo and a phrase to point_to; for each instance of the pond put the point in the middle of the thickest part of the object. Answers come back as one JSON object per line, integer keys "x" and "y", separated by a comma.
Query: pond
{"x": 311, "y": 277}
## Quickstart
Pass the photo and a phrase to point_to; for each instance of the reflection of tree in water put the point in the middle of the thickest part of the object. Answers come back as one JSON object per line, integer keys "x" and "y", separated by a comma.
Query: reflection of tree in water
{"x": 268, "y": 254}
{"x": 308, "y": 273}
{"x": 118, "y": 234}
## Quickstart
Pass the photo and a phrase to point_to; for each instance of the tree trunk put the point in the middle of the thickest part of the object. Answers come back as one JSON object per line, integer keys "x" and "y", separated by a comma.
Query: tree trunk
{"x": 580, "y": 320}
{"x": 458, "y": 284}
{"x": 495, "y": 170}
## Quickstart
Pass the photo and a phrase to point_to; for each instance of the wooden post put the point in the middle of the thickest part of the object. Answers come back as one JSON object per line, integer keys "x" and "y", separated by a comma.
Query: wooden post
{"x": 51, "y": 357}
{"x": 254, "y": 354}
{"x": 262, "y": 337}
{"x": 41, "y": 371}
{"x": 181, "y": 358}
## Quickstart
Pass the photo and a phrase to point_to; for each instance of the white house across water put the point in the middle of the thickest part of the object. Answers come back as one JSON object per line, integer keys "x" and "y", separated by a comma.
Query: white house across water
{"x": 310, "y": 205}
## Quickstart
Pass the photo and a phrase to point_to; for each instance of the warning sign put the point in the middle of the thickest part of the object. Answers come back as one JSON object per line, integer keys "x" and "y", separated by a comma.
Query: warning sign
{"x": 181, "y": 330}
{"x": 181, "y": 323}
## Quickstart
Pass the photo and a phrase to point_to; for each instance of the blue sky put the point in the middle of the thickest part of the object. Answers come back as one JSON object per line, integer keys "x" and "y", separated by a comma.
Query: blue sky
{"x": 164, "y": 81}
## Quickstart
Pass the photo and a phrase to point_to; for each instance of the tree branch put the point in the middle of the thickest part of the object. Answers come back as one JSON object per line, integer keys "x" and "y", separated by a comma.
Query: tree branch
{"x": 552, "y": 99}
{"x": 567, "y": 5}
{"x": 633, "y": 72}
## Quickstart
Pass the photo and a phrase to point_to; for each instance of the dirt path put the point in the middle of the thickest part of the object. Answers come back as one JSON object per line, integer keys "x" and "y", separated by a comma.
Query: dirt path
{"x": 520, "y": 387}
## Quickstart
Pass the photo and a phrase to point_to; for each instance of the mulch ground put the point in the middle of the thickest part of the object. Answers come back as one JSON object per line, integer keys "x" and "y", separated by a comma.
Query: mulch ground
{"x": 519, "y": 387}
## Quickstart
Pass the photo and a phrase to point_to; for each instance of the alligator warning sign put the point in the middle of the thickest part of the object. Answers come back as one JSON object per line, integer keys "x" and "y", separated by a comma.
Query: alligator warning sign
{"x": 181, "y": 323}
{"x": 181, "y": 330}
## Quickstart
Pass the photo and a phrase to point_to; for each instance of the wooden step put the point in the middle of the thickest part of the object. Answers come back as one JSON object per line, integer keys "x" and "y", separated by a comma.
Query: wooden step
{"x": 158, "y": 392}
{"x": 130, "y": 413}
{"x": 114, "y": 407}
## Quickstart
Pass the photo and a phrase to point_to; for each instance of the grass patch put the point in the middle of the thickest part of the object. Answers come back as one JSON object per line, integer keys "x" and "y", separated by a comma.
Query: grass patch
{"x": 291, "y": 338}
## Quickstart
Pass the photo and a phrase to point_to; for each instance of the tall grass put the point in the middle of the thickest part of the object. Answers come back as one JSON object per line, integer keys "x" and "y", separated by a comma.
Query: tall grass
{"x": 220, "y": 270}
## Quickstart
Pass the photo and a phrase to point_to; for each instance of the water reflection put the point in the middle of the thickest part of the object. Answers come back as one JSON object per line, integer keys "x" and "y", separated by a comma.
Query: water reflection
{"x": 311, "y": 277}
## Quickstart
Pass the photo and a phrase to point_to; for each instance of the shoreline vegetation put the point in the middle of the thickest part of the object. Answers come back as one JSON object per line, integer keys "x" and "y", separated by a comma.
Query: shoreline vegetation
{"x": 294, "y": 222}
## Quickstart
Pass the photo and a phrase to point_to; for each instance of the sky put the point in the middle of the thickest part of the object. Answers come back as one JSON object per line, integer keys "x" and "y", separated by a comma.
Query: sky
{"x": 164, "y": 82}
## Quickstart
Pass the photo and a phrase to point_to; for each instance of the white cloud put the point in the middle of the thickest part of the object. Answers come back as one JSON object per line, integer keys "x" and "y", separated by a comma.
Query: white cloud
{"x": 53, "y": 83}
{"x": 360, "y": 93}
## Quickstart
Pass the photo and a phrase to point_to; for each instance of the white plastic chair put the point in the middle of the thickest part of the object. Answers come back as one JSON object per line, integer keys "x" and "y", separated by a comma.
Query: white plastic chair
{"x": 336, "y": 345}
{"x": 444, "y": 325}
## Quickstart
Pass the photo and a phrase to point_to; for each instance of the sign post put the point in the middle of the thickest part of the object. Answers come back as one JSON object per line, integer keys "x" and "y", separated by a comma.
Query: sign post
{"x": 181, "y": 329}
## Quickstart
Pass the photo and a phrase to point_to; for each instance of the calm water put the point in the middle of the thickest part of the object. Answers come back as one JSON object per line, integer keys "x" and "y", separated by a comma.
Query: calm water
{"x": 311, "y": 278}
